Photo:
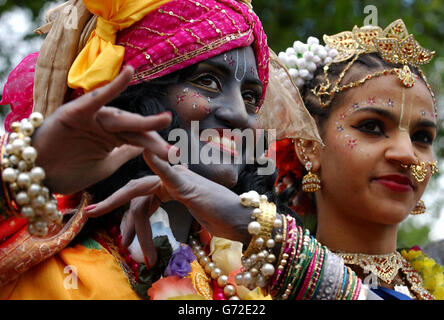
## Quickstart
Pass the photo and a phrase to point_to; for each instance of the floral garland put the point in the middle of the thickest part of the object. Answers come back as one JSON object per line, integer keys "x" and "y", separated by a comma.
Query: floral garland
{"x": 185, "y": 279}
{"x": 302, "y": 59}
{"x": 431, "y": 272}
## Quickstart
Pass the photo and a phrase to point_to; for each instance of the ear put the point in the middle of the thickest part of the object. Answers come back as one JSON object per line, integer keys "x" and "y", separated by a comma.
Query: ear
{"x": 308, "y": 150}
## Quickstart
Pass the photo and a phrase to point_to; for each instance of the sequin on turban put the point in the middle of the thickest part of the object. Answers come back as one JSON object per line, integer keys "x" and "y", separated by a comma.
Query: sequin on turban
{"x": 183, "y": 32}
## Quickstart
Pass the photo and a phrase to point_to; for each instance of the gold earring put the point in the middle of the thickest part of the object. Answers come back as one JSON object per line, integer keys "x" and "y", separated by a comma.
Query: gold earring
{"x": 419, "y": 209}
{"x": 311, "y": 181}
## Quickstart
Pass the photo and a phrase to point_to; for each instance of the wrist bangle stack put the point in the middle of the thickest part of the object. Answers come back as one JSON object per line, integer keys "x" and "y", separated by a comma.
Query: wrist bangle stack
{"x": 306, "y": 270}
{"x": 258, "y": 259}
{"x": 25, "y": 180}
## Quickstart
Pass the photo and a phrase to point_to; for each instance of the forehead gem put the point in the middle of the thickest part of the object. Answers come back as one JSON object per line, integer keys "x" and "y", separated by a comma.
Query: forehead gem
{"x": 391, "y": 103}
{"x": 356, "y": 106}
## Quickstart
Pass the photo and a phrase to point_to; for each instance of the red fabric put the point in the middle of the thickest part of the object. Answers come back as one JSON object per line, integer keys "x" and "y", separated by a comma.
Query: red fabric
{"x": 11, "y": 226}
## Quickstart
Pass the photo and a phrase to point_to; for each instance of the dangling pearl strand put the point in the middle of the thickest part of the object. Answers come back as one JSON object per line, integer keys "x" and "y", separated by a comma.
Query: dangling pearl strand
{"x": 25, "y": 180}
{"x": 213, "y": 271}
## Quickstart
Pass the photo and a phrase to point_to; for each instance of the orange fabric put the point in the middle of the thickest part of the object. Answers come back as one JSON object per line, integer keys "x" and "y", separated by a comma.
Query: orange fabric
{"x": 99, "y": 277}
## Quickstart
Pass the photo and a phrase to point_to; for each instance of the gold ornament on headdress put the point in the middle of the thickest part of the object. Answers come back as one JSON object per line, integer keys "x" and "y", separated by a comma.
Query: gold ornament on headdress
{"x": 394, "y": 44}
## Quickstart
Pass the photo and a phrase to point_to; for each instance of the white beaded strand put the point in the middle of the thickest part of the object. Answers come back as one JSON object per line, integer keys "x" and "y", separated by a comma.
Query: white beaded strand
{"x": 26, "y": 180}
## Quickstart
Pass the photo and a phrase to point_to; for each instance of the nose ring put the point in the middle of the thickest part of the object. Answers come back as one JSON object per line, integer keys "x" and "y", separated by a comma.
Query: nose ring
{"x": 419, "y": 171}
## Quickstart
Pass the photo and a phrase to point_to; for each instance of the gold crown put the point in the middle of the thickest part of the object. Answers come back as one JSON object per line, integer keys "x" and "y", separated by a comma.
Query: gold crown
{"x": 394, "y": 44}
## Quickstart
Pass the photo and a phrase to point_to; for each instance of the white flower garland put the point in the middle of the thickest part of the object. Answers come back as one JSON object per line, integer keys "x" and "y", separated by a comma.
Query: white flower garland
{"x": 302, "y": 59}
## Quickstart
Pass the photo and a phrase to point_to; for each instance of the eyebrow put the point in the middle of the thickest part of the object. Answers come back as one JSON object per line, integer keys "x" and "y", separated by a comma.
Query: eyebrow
{"x": 222, "y": 69}
{"x": 381, "y": 112}
{"x": 391, "y": 116}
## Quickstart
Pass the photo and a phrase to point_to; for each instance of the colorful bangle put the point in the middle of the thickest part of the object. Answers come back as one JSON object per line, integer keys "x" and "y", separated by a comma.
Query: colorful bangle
{"x": 288, "y": 255}
{"x": 314, "y": 282}
{"x": 33, "y": 200}
{"x": 310, "y": 270}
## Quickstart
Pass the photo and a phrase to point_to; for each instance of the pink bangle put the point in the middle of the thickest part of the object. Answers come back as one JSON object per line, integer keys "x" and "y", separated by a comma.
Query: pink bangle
{"x": 358, "y": 290}
{"x": 289, "y": 248}
{"x": 318, "y": 269}
{"x": 308, "y": 276}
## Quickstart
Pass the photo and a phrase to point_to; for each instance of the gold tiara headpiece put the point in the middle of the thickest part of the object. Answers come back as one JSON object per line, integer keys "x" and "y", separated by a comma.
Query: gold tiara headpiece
{"x": 394, "y": 45}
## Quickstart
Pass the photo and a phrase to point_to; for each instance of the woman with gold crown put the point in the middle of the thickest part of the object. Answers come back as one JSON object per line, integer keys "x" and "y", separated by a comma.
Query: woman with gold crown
{"x": 376, "y": 116}
{"x": 185, "y": 61}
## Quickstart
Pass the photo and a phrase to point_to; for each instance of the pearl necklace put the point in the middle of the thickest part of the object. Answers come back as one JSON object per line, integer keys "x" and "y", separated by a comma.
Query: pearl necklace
{"x": 213, "y": 271}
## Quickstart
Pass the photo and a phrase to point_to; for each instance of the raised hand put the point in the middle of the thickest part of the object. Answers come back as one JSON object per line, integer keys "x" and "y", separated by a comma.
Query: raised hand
{"x": 84, "y": 142}
{"x": 214, "y": 206}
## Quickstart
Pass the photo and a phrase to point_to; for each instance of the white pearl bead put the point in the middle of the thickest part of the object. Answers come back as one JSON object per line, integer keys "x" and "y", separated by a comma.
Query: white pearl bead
{"x": 22, "y": 166}
{"x": 37, "y": 174}
{"x": 260, "y": 281}
{"x": 8, "y": 149}
{"x": 256, "y": 212}
{"x": 34, "y": 190}
{"x": 22, "y": 198}
{"x": 38, "y": 202}
{"x": 36, "y": 118}
{"x": 277, "y": 223}
{"x": 229, "y": 290}
{"x": 254, "y": 227}
{"x": 29, "y": 154}
{"x": 17, "y": 146}
{"x": 13, "y": 136}
{"x": 253, "y": 258}
{"x": 200, "y": 254}
{"x": 271, "y": 258}
{"x": 255, "y": 202}
{"x": 9, "y": 175}
{"x": 264, "y": 198}
{"x": 204, "y": 261}
{"x": 234, "y": 298}
{"x": 209, "y": 267}
{"x": 244, "y": 200}
{"x": 254, "y": 272}
{"x": 216, "y": 273}
{"x": 278, "y": 238}
{"x": 50, "y": 208}
{"x": 27, "y": 141}
{"x": 270, "y": 243}
{"x": 260, "y": 256}
{"x": 14, "y": 160}
{"x": 247, "y": 278}
{"x": 222, "y": 280}
{"x": 259, "y": 242}
{"x": 28, "y": 212}
{"x": 45, "y": 192}
{"x": 23, "y": 180}
{"x": 27, "y": 128}
{"x": 238, "y": 279}
{"x": 267, "y": 270}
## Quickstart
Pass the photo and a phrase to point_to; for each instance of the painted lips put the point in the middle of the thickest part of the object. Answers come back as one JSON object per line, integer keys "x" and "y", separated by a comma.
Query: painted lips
{"x": 221, "y": 142}
{"x": 396, "y": 183}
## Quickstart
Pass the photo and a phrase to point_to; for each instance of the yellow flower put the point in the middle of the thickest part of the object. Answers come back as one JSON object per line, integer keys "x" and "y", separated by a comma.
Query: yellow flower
{"x": 431, "y": 272}
{"x": 226, "y": 254}
{"x": 256, "y": 294}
